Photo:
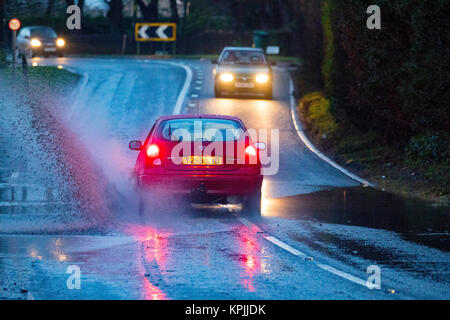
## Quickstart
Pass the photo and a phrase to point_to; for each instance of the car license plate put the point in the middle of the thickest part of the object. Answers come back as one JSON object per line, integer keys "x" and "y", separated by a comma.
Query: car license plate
{"x": 49, "y": 49}
{"x": 244, "y": 85}
{"x": 203, "y": 160}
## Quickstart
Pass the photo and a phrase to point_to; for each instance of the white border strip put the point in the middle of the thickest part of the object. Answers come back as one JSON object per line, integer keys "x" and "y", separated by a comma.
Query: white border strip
{"x": 187, "y": 83}
{"x": 285, "y": 246}
{"x": 298, "y": 253}
{"x": 310, "y": 146}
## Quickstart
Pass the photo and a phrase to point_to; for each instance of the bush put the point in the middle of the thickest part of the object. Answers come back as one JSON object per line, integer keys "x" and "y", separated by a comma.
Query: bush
{"x": 431, "y": 147}
{"x": 393, "y": 80}
{"x": 315, "y": 109}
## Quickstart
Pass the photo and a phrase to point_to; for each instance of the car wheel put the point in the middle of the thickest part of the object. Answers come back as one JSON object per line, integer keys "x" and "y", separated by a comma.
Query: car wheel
{"x": 268, "y": 94}
{"x": 217, "y": 93}
{"x": 252, "y": 205}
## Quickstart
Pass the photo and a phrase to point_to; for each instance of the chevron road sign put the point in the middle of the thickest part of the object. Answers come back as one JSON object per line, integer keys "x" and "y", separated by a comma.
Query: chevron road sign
{"x": 155, "y": 31}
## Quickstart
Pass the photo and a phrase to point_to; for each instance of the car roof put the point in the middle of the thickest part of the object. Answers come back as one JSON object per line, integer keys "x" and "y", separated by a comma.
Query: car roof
{"x": 243, "y": 49}
{"x": 200, "y": 116}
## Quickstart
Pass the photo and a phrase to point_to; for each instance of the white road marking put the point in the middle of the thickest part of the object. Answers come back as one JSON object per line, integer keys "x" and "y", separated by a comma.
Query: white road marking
{"x": 184, "y": 90}
{"x": 310, "y": 146}
{"x": 342, "y": 274}
{"x": 194, "y": 96}
{"x": 249, "y": 225}
{"x": 298, "y": 253}
{"x": 285, "y": 246}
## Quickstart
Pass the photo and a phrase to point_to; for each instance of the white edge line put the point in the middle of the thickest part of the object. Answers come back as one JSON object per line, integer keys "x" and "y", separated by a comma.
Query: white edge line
{"x": 187, "y": 84}
{"x": 310, "y": 146}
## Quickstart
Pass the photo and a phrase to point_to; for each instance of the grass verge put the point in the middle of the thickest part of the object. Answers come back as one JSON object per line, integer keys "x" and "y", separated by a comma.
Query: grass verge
{"x": 421, "y": 169}
{"x": 40, "y": 78}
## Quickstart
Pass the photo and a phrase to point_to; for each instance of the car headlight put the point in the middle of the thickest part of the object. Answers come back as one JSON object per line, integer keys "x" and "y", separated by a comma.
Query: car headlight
{"x": 226, "y": 77}
{"x": 60, "y": 42}
{"x": 262, "y": 78}
{"x": 35, "y": 43}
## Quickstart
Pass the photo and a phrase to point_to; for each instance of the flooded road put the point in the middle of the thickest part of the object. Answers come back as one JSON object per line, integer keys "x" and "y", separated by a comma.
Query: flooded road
{"x": 319, "y": 234}
{"x": 415, "y": 220}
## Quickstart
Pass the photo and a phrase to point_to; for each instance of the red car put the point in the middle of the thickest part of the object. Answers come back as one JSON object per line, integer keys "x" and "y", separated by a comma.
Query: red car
{"x": 202, "y": 158}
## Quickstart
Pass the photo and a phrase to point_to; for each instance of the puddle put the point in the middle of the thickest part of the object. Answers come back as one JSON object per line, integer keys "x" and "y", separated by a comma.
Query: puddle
{"x": 415, "y": 220}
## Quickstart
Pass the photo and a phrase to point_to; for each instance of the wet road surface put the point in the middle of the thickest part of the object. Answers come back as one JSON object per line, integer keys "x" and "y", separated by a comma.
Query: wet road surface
{"x": 318, "y": 235}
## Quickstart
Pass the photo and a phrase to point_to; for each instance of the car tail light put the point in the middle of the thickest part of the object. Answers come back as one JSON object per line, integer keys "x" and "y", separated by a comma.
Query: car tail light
{"x": 153, "y": 151}
{"x": 250, "y": 150}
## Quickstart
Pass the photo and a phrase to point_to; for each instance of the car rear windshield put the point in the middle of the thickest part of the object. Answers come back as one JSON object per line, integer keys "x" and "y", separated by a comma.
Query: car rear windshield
{"x": 197, "y": 129}
{"x": 43, "y": 33}
{"x": 246, "y": 57}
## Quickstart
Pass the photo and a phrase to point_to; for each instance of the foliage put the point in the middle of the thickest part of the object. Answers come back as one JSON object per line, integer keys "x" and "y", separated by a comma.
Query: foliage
{"x": 315, "y": 109}
{"x": 329, "y": 52}
{"x": 393, "y": 80}
{"x": 432, "y": 147}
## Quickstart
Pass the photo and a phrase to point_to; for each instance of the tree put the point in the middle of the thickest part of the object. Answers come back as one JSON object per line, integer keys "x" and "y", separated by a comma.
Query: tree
{"x": 115, "y": 12}
{"x": 174, "y": 11}
{"x": 50, "y": 5}
{"x": 149, "y": 10}
{"x": 79, "y": 3}
{"x": 2, "y": 17}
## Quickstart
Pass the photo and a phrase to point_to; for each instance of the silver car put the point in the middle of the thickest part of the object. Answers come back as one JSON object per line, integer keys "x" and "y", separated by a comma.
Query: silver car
{"x": 39, "y": 40}
{"x": 242, "y": 70}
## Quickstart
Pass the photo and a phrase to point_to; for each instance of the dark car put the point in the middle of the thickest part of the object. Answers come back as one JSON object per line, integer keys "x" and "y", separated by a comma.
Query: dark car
{"x": 39, "y": 41}
{"x": 242, "y": 70}
{"x": 201, "y": 158}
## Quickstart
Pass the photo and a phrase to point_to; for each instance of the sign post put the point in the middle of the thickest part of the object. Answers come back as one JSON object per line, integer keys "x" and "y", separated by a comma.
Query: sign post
{"x": 14, "y": 25}
{"x": 156, "y": 32}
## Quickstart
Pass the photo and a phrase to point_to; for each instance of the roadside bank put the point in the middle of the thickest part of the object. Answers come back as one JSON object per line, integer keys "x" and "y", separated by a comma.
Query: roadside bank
{"x": 418, "y": 169}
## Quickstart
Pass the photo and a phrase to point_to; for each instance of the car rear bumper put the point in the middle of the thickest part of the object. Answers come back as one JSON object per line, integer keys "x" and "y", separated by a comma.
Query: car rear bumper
{"x": 214, "y": 184}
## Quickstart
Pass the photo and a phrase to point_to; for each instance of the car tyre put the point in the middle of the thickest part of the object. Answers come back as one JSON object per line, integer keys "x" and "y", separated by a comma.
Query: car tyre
{"x": 268, "y": 94}
{"x": 252, "y": 205}
{"x": 217, "y": 93}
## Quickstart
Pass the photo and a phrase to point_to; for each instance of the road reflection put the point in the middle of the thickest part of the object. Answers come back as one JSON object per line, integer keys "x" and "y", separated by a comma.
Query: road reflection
{"x": 251, "y": 256}
{"x": 153, "y": 252}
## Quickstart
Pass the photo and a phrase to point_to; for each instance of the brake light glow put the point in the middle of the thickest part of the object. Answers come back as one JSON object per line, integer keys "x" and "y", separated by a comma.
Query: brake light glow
{"x": 250, "y": 150}
{"x": 153, "y": 151}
